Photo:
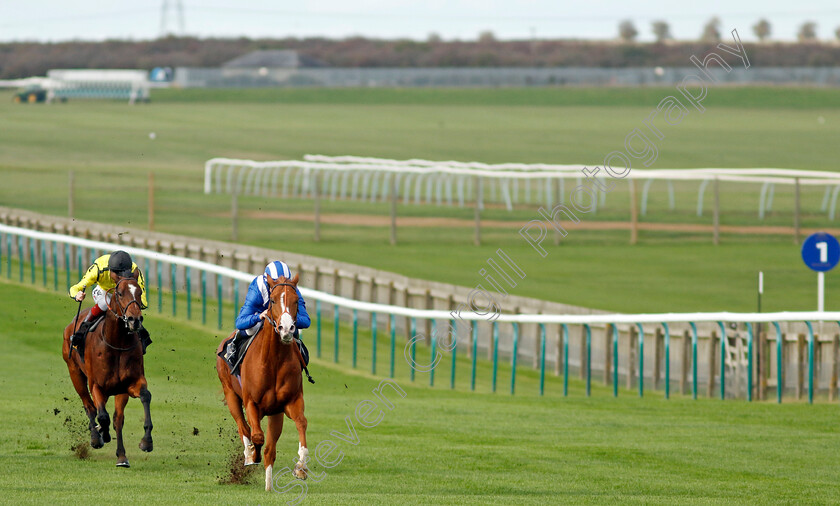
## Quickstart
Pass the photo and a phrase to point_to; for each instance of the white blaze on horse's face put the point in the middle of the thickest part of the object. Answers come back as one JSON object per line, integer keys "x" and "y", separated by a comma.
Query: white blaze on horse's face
{"x": 287, "y": 325}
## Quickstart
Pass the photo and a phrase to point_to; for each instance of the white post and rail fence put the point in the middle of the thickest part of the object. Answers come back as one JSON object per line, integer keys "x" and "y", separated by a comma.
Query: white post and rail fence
{"x": 48, "y": 255}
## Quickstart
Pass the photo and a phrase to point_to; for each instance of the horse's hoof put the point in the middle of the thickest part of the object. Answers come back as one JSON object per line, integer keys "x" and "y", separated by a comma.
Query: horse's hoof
{"x": 300, "y": 471}
{"x": 146, "y": 446}
{"x": 123, "y": 462}
{"x": 96, "y": 444}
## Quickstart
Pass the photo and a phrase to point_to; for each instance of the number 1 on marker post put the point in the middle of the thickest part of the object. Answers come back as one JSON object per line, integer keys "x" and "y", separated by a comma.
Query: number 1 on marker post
{"x": 823, "y": 247}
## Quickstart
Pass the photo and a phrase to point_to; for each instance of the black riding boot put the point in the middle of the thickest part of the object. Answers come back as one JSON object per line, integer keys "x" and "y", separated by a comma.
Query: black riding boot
{"x": 145, "y": 339}
{"x": 78, "y": 338}
{"x": 304, "y": 351}
{"x": 232, "y": 349}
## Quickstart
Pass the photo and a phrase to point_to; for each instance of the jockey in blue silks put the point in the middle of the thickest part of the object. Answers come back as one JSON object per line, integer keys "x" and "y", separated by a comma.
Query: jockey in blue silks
{"x": 255, "y": 309}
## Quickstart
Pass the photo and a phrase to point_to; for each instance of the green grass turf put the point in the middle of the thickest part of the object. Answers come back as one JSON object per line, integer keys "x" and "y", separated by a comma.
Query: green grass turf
{"x": 107, "y": 144}
{"x": 746, "y": 97}
{"x": 436, "y": 446}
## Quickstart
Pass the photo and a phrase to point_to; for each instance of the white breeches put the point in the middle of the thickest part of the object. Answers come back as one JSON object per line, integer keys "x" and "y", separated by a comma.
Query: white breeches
{"x": 101, "y": 297}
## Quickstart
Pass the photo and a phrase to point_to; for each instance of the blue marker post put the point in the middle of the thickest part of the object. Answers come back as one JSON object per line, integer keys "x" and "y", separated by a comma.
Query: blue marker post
{"x": 821, "y": 253}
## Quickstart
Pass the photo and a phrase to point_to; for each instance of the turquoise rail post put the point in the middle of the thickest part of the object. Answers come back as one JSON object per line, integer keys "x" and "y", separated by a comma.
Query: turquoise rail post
{"x": 453, "y": 335}
{"x": 432, "y": 355}
{"x": 810, "y": 363}
{"x": 693, "y": 359}
{"x": 219, "y": 296}
{"x": 159, "y": 286}
{"x": 749, "y": 361}
{"x": 542, "y": 358}
{"x": 21, "y": 259}
{"x": 9, "y": 259}
{"x": 355, "y": 335}
{"x": 204, "y": 297}
{"x": 495, "y": 352}
{"x": 393, "y": 342}
{"x": 474, "y": 327}
{"x": 667, "y": 360}
{"x": 335, "y": 337}
{"x": 66, "y": 262}
{"x": 30, "y": 243}
{"x": 588, "y": 359}
{"x": 513, "y": 358}
{"x": 78, "y": 262}
{"x": 413, "y": 328}
{"x": 641, "y": 359}
{"x": 44, "y": 261}
{"x": 188, "y": 283}
{"x": 54, "y": 265}
{"x": 722, "y": 360}
{"x": 373, "y": 343}
{"x": 146, "y": 271}
{"x": 235, "y": 298}
{"x": 780, "y": 376}
{"x": 615, "y": 360}
{"x": 565, "y": 360}
{"x": 318, "y": 328}
{"x": 173, "y": 281}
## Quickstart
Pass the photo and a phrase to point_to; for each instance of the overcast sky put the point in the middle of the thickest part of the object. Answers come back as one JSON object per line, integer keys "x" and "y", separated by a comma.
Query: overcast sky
{"x": 54, "y": 20}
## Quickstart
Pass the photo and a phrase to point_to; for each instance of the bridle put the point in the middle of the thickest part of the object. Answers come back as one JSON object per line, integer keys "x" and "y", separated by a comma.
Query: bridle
{"x": 121, "y": 316}
{"x": 274, "y": 324}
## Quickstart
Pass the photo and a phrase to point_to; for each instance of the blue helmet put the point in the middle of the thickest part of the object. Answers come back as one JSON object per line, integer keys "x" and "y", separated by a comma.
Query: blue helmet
{"x": 276, "y": 269}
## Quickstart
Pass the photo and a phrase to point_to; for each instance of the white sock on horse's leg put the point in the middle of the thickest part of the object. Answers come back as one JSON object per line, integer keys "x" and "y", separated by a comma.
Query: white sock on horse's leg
{"x": 303, "y": 453}
{"x": 249, "y": 452}
{"x": 268, "y": 476}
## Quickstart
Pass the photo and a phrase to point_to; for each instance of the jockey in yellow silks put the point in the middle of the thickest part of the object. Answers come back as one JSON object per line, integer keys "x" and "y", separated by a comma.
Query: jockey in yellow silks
{"x": 99, "y": 273}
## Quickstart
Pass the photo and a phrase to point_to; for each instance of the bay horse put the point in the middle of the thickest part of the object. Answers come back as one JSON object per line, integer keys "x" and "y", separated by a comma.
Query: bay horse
{"x": 270, "y": 382}
{"x": 112, "y": 366}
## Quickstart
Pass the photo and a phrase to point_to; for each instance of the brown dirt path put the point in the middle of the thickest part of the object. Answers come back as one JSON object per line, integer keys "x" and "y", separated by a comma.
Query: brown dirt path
{"x": 367, "y": 220}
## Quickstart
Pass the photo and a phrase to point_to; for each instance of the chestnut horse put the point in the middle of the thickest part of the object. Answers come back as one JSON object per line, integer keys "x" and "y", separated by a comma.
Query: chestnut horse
{"x": 270, "y": 382}
{"x": 112, "y": 366}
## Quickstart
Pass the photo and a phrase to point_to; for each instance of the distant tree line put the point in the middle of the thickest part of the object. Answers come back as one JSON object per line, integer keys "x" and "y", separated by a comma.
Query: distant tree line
{"x": 807, "y": 33}
{"x": 24, "y": 59}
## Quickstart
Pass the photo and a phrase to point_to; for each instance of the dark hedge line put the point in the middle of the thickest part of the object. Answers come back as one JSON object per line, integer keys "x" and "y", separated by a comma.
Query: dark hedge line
{"x": 22, "y": 59}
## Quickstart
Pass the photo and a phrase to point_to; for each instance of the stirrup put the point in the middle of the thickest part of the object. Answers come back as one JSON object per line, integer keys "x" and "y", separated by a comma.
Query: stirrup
{"x": 230, "y": 351}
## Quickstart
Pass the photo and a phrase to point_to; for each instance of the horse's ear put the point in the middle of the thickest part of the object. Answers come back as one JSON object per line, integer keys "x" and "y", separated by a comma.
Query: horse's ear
{"x": 136, "y": 274}
{"x": 113, "y": 276}
{"x": 295, "y": 280}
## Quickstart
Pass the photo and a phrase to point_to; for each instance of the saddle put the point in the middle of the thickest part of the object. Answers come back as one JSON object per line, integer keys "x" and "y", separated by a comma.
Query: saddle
{"x": 236, "y": 359}
{"x": 96, "y": 321}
